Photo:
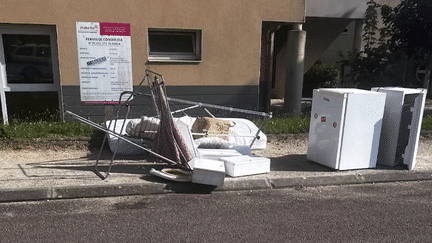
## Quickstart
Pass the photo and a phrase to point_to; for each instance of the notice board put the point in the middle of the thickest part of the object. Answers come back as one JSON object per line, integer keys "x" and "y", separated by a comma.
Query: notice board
{"x": 105, "y": 61}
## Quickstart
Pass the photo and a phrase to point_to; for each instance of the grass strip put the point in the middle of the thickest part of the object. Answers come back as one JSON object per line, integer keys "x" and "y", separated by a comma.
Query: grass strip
{"x": 44, "y": 129}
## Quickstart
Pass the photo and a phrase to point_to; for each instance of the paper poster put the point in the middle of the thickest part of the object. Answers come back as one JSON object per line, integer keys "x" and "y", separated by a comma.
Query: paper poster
{"x": 105, "y": 61}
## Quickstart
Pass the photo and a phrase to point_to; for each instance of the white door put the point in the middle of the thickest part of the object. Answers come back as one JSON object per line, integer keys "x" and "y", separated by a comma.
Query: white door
{"x": 29, "y": 72}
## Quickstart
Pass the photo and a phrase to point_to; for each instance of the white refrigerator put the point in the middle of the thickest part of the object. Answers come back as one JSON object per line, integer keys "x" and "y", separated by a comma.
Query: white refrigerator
{"x": 345, "y": 128}
{"x": 401, "y": 127}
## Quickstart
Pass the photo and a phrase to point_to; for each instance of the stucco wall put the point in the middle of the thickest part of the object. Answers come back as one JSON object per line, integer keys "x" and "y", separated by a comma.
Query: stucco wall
{"x": 231, "y": 32}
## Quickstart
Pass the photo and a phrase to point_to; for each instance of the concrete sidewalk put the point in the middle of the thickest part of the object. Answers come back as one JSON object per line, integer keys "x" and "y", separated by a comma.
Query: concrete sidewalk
{"x": 22, "y": 180}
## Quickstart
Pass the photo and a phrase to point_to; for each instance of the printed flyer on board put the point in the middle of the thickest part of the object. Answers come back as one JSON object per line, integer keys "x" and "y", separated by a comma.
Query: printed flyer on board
{"x": 105, "y": 61}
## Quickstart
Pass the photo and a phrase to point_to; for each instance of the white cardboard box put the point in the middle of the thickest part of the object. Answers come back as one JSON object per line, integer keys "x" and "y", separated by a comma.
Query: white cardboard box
{"x": 208, "y": 172}
{"x": 246, "y": 165}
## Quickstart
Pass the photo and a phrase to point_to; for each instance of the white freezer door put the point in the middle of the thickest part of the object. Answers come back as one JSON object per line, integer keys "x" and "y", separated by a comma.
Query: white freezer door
{"x": 393, "y": 114}
{"x": 362, "y": 128}
{"x": 328, "y": 111}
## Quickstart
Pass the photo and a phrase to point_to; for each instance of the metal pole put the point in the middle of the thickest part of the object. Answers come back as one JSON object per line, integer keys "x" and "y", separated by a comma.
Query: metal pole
{"x": 295, "y": 71}
{"x": 264, "y": 114}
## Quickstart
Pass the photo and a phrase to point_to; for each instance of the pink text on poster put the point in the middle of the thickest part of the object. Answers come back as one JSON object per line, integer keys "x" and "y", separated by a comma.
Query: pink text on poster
{"x": 117, "y": 29}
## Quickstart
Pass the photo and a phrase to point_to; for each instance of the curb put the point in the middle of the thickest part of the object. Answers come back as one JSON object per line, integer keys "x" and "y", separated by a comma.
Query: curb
{"x": 55, "y": 193}
{"x": 315, "y": 181}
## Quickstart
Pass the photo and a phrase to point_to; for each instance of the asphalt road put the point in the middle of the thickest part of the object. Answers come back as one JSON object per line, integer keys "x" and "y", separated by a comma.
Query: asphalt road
{"x": 387, "y": 212}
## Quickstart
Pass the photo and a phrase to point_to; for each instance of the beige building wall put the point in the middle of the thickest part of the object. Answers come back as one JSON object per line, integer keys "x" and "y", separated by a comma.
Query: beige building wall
{"x": 231, "y": 32}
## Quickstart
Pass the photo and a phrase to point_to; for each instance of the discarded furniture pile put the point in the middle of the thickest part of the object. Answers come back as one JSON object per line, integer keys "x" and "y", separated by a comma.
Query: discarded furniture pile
{"x": 198, "y": 149}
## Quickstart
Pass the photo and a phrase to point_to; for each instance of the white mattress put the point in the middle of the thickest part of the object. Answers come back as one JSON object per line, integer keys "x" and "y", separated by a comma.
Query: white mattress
{"x": 240, "y": 134}
{"x": 124, "y": 148}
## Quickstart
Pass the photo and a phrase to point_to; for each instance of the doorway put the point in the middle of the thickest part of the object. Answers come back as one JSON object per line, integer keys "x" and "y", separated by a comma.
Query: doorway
{"x": 274, "y": 39}
{"x": 29, "y": 73}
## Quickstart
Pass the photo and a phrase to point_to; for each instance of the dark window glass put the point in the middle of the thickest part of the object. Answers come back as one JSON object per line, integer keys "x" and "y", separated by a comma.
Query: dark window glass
{"x": 28, "y": 58}
{"x": 24, "y": 51}
{"x": 174, "y": 45}
{"x": 32, "y": 106}
{"x": 171, "y": 43}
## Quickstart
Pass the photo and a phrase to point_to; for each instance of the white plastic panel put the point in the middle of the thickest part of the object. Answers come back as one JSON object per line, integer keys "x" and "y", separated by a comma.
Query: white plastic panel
{"x": 246, "y": 165}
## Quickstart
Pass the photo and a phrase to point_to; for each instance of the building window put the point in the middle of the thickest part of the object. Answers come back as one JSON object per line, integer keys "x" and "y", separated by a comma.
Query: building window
{"x": 167, "y": 45}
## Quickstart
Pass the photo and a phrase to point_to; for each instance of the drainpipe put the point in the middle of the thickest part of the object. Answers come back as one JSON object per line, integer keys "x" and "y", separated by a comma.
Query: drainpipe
{"x": 271, "y": 38}
{"x": 295, "y": 70}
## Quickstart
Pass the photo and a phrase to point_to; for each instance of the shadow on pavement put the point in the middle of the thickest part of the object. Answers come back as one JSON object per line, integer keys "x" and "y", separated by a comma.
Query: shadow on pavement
{"x": 180, "y": 187}
{"x": 295, "y": 162}
{"x": 117, "y": 167}
{"x": 106, "y": 154}
{"x": 299, "y": 162}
